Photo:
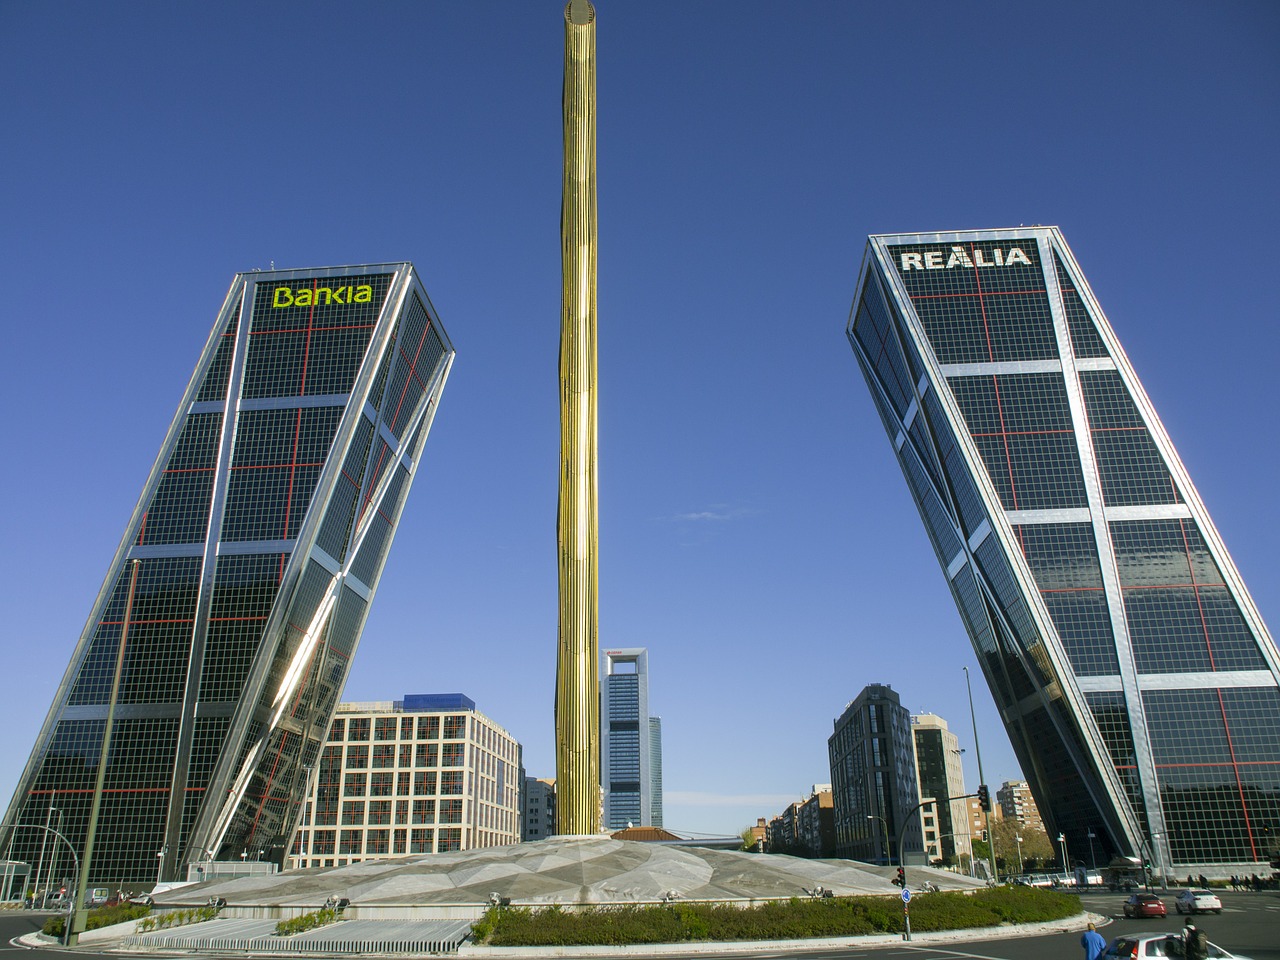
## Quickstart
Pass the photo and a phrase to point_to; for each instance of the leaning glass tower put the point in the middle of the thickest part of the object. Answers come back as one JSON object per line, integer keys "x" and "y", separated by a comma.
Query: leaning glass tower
{"x": 1135, "y": 676}
{"x": 243, "y": 579}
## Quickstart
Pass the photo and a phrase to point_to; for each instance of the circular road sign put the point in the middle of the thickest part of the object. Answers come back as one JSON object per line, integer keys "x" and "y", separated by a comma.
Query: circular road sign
{"x": 906, "y": 895}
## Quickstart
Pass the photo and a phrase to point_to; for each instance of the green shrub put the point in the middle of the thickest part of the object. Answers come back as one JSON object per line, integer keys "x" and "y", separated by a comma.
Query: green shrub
{"x": 306, "y": 921}
{"x": 796, "y": 919}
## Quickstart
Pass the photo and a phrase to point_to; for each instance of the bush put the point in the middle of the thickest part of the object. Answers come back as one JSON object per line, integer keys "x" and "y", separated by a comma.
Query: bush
{"x": 306, "y": 921}
{"x": 101, "y": 917}
{"x": 796, "y": 919}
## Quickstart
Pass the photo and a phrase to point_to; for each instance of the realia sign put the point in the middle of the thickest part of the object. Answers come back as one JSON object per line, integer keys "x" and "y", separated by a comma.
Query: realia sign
{"x": 958, "y": 256}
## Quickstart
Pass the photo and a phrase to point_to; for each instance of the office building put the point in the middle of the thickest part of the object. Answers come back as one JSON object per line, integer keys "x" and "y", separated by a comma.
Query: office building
{"x": 940, "y": 775}
{"x": 1139, "y": 686}
{"x": 873, "y": 779}
{"x": 655, "y": 771}
{"x": 632, "y": 768}
{"x": 538, "y": 806}
{"x": 426, "y": 774}
{"x": 1016, "y": 803}
{"x": 233, "y": 606}
{"x": 805, "y": 828}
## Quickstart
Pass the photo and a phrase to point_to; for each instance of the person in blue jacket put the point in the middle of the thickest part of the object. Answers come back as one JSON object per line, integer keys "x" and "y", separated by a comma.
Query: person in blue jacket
{"x": 1093, "y": 943}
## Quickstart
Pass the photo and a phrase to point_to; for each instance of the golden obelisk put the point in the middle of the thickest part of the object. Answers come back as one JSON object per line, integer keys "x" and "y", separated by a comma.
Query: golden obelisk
{"x": 577, "y": 681}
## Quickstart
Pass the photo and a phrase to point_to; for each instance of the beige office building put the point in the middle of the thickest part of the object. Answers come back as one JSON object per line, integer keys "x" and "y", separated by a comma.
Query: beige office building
{"x": 426, "y": 774}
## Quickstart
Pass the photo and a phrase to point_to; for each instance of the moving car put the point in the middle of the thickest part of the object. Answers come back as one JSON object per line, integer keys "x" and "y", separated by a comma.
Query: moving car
{"x": 1144, "y": 905}
{"x": 1198, "y": 901}
{"x": 1158, "y": 945}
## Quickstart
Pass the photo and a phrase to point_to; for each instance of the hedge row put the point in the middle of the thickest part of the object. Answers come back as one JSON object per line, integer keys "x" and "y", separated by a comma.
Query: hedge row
{"x": 306, "y": 921}
{"x": 101, "y": 917}
{"x": 796, "y": 919}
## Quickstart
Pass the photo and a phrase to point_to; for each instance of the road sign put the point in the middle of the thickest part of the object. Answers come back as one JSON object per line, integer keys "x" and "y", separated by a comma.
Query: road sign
{"x": 906, "y": 895}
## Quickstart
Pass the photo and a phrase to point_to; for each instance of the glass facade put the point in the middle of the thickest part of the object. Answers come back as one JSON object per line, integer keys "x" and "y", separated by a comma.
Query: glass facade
{"x": 873, "y": 778}
{"x": 257, "y": 545}
{"x": 1138, "y": 683}
{"x": 631, "y": 743}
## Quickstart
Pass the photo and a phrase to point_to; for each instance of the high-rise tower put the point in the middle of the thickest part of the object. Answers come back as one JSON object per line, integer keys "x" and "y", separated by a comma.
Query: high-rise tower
{"x": 259, "y": 540}
{"x": 631, "y": 742}
{"x": 1138, "y": 683}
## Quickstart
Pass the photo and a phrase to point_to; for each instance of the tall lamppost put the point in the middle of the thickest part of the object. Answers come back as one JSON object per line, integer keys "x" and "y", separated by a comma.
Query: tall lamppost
{"x": 986, "y": 821}
{"x": 885, "y": 824}
{"x": 1021, "y": 862}
{"x": 1093, "y": 862}
{"x": 1066, "y": 867}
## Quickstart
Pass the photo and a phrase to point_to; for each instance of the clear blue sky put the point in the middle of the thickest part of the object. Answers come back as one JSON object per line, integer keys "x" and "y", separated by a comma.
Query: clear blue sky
{"x": 756, "y": 533}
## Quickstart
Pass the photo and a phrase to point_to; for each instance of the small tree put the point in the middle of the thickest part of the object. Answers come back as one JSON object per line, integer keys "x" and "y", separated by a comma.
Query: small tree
{"x": 748, "y": 838}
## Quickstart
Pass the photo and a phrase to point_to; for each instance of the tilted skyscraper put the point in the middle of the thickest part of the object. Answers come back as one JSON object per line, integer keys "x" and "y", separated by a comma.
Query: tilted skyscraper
{"x": 259, "y": 538}
{"x": 631, "y": 744}
{"x": 1135, "y": 676}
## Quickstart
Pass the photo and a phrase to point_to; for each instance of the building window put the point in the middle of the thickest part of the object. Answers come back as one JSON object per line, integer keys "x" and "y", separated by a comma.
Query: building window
{"x": 424, "y": 783}
{"x": 454, "y": 755}
{"x": 322, "y": 842}
{"x": 450, "y": 811}
{"x": 357, "y": 758}
{"x": 358, "y": 729}
{"x": 380, "y": 784}
{"x": 384, "y": 755}
{"x": 353, "y": 813}
{"x": 384, "y": 728}
{"x": 378, "y": 841}
{"x": 451, "y": 782}
{"x": 455, "y": 728}
{"x": 350, "y": 841}
{"x": 354, "y": 784}
{"x": 420, "y": 841}
{"x": 428, "y": 729}
{"x": 337, "y": 730}
{"x": 427, "y": 755}
{"x": 424, "y": 811}
{"x": 379, "y": 811}
{"x": 406, "y": 728}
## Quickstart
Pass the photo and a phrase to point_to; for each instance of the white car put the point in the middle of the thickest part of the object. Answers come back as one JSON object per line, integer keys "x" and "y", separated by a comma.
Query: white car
{"x": 1197, "y": 901}
{"x": 1158, "y": 945}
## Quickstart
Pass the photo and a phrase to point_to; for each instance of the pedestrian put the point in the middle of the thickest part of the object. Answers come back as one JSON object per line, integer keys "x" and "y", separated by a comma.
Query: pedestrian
{"x": 1093, "y": 943}
{"x": 1195, "y": 942}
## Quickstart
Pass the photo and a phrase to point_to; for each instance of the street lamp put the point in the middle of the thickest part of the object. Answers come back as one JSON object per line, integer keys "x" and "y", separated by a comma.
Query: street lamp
{"x": 986, "y": 821}
{"x": 1062, "y": 839}
{"x": 887, "y": 856}
{"x": 1021, "y": 862}
{"x": 159, "y": 864}
{"x": 1093, "y": 862}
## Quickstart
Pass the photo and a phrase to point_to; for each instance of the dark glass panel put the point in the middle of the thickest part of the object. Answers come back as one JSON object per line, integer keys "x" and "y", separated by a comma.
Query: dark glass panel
{"x": 1085, "y": 339}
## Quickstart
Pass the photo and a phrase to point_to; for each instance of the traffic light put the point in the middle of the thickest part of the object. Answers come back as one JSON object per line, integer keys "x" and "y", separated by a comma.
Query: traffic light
{"x": 984, "y": 797}
{"x": 901, "y": 879}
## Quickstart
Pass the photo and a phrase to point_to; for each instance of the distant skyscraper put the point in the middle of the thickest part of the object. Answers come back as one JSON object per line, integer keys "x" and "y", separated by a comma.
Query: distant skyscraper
{"x": 257, "y": 546}
{"x": 873, "y": 778}
{"x": 627, "y": 739}
{"x": 941, "y": 776}
{"x": 655, "y": 771}
{"x": 1138, "y": 683}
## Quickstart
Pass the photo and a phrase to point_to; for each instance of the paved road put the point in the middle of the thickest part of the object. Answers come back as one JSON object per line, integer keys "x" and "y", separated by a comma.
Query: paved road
{"x": 1249, "y": 924}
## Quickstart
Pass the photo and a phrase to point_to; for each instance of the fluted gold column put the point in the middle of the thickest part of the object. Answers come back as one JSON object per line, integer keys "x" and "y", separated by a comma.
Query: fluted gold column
{"x": 577, "y": 682}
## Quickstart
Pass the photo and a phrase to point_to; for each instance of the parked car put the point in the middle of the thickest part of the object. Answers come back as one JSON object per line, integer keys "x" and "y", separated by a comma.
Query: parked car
{"x": 1144, "y": 905}
{"x": 1198, "y": 901}
{"x": 1158, "y": 945}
